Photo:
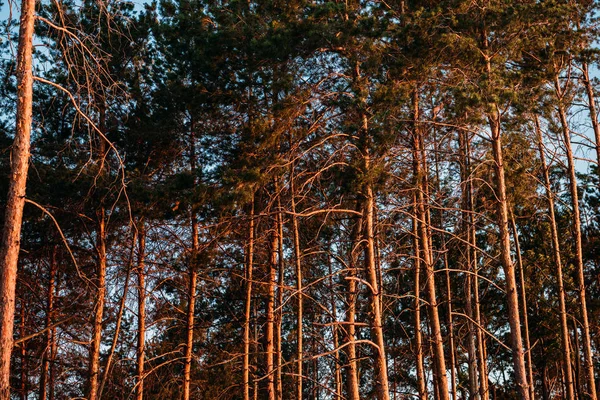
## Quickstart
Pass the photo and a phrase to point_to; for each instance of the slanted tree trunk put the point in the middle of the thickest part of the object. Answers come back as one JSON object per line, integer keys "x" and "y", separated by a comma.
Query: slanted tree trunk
{"x": 587, "y": 346}
{"x": 514, "y": 319}
{"x": 452, "y": 349}
{"x": 524, "y": 304}
{"x": 141, "y": 275}
{"x": 419, "y": 171}
{"x": 120, "y": 313}
{"x": 15, "y": 201}
{"x": 370, "y": 257}
{"x": 566, "y": 348}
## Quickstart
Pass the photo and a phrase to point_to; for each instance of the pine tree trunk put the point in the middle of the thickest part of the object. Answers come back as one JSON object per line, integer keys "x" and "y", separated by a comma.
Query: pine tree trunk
{"x": 15, "y": 201}
{"x": 298, "y": 266}
{"x": 514, "y": 319}
{"x": 352, "y": 295}
{"x": 280, "y": 288}
{"x": 119, "y": 315}
{"x": 523, "y": 304}
{"x": 193, "y": 276}
{"x": 587, "y": 347}
{"x": 24, "y": 364}
{"x": 452, "y": 349}
{"x": 472, "y": 253}
{"x": 589, "y": 367}
{"x": 566, "y": 348}
{"x": 141, "y": 274}
{"x": 270, "y": 331}
{"x": 334, "y": 334}
{"x": 592, "y": 108}
{"x": 419, "y": 168}
{"x": 94, "y": 364}
{"x": 370, "y": 258}
{"x": 474, "y": 389}
{"x": 248, "y": 302}
{"x": 421, "y": 382}
{"x": 43, "y": 384}
{"x": 191, "y": 312}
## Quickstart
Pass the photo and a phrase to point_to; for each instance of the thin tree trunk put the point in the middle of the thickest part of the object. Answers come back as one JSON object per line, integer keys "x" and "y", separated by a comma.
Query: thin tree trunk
{"x": 451, "y": 350}
{"x": 514, "y": 320}
{"x": 472, "y": 249}
{"x": 15, "y": 201}
{"x": 299, "y": 288}
{"x": 419, "y": 168}
{"x": 141, "y": 274}
{"x": 43, "y": 385}
{"x": 193, "y": 277}
{"x": 191, "y": 311}
{"x": 352, "y": 372}
{"x": 524, "y": 304}
{"x": 248, "y": 302}
{"x": 119, "y": 316}
{"x": 94, "y": 368}
{"x": 467, "y": 217}
{"x": 334, "y": 332}
{"x": 592, "y": 108}
{"x": 587, "y": 347}
{"x": 280, "y": 288}
{"x": 24, "y": 366}
{"x": 421, "y": 382}
{"x": 270, "y": 331}
{"x": 566, "y": 348}
{"x": 577, "y": 361}
{"x": 370, "y": 261}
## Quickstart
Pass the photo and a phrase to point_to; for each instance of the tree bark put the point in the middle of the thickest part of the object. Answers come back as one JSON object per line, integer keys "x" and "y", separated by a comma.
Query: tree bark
{"x": 43, "y": 385}
{"x": 280, "y": 288}
{"x": 352, "y": 295}
{"x": 467, "y": 218}
{"x": 94, "y": 368}
{"x": 193, "y": 276}
{"x": 419, "y": 168}
{"x": 524, "y": 304}
{"x": 15, "y": 201}
{"x": 248, "y": 302}
{"x": 421, "y": 382}
{"x": 141, "y": 274}
{"x": 299, "y": 288}
{"x": 592, "y": 109}
{"x": 270, "y": 331}
{"x": 566, "y": 348}
{"x": 514, "y": 319}
{"x": 587, "y": 347}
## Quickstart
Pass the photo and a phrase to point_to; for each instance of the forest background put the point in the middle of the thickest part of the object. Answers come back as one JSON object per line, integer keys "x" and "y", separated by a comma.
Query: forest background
{"x": 213, "y": 199}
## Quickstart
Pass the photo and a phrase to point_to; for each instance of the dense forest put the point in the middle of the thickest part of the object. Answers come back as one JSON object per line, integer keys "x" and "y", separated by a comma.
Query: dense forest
{"x": 300, "y": 199}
